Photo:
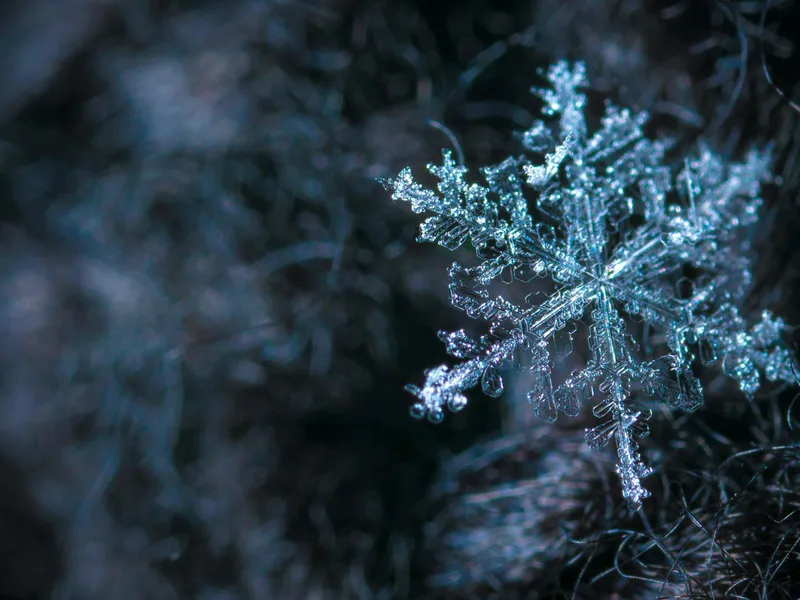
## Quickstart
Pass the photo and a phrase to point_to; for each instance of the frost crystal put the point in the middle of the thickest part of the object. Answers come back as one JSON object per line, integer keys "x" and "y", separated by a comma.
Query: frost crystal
{"x": 617, "y": 232}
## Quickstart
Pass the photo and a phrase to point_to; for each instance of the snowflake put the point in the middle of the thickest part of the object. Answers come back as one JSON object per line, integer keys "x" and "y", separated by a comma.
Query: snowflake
{"x": 617, "y": 232}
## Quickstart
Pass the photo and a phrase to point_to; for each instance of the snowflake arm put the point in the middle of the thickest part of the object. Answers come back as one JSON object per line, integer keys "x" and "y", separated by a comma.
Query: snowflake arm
{"x": 444, "y": 387}
{"x": 460, "y": 212}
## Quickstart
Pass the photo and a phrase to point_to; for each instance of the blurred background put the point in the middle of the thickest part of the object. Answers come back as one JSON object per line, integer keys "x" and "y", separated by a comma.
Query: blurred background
{"x": 209, "y": 307}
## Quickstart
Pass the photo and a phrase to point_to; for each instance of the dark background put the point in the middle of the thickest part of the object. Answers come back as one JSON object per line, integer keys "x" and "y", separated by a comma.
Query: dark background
{"x": 209, "y": 307}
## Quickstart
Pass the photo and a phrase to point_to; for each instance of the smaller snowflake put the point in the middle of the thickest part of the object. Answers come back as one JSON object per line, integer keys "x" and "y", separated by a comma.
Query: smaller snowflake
{"x": 618, "y": 232}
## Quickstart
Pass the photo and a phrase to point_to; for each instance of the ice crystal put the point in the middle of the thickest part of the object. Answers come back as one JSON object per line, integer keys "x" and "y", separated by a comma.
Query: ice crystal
{"x": 617, "y": 230}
